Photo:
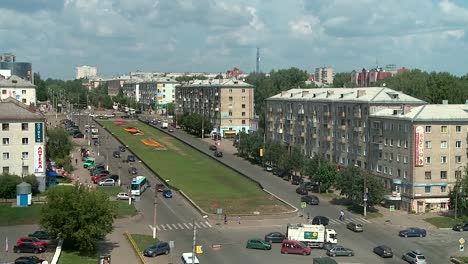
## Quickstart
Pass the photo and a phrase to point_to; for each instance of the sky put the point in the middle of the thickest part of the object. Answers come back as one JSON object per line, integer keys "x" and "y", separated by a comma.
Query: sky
{"x": 119, "y": 36}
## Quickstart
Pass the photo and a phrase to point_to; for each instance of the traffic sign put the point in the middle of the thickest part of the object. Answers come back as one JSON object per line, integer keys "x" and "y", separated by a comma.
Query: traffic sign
{"x": 303, "y": 204}
{"x": 461, "y": 240}
{"x": 462, "y": 247}
{"x": 171, "y": 244}
{"x": 199, "y": 250}
{"x": 219, "y": 211}
{"x": 215, "y": 205}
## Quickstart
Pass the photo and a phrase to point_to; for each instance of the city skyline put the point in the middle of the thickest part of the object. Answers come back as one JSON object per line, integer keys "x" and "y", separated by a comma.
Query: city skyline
{"x": 212, "y": 36}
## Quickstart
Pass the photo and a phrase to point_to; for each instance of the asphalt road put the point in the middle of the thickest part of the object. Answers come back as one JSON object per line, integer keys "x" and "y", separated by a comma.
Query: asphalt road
{"x": 175, "y": 216}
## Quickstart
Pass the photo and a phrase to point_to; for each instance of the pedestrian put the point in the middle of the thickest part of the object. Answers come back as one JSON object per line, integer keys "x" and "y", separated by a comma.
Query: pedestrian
{"x": 225, "y": 219}
{"x": 341, "y": 215}
{"x": 238, "y": 219}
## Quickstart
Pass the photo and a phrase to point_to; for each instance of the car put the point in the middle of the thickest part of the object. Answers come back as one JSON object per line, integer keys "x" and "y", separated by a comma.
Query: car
{"x": 269, "y": 168}
{"x": 257, "y": 243}
{"x": 414, "y": 257}
{"x": 28, "y": 247}
{"x": 78, "y": 135}
{"x": 131, "y": 158}
{"x": 159, "y": 248}
{"x": 28, "y": 260}
{"x": 413, "y": 232}
{"x": 41, "y": 235}
{"x": 328, "y": 245}
{"x": 124, "y": 196}
{"x": 301, "y": 191}
{"x": 167, "y": 193}
{"x": 355, "y": 227}
{"x": 116, "y": 154}
{"x": 121, "y": 148}
{"x": 97, "y": 179}
{"x": 340, "y": 251}
{"x": 320, "y": 220}
{"x": 296, "y": 180}
{"x": 461, "y": 227}
{"x": 171, "y": 130}
{"x": 160, "y": 187}
{"x": 96, "y": 142}
{"x": 107, "y": 182}
{"x": 275, "y": 237}
{"x": 218, "y": 154}
{"x": 294, "y": 247}
{"x": 310, "y": 199}
{"x": 132, "y": 170}
{"x": 383, "y": 251}
{"x": 213, "y": 148}
{"x": 97, "y": 170}
{"x": 310, "y": 186}
{"x": 115, "y": 177}
{"x": 33, "y": 240}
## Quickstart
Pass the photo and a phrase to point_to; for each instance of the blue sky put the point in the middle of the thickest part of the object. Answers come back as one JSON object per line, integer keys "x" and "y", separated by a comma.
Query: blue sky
{"x": 118, "y": 36}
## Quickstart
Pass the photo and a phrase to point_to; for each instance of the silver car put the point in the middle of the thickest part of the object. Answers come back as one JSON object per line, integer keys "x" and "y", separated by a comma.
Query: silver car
{"x": 340, "y": 251}
{"x": 107, "y": 182}
{"x": 355, "y": 227}
{"x": 414, "y": 257}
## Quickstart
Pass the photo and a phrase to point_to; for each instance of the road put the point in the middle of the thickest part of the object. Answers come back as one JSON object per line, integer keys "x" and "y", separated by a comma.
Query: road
{"x": 174, "y": 218}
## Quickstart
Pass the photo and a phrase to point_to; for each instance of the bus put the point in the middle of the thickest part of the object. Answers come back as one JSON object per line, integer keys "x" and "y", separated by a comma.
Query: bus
{"x": 139, "y": 185}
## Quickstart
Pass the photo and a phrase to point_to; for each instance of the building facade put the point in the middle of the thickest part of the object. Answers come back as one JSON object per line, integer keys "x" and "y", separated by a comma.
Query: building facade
{"x": 154, "y": 93}
{"x": 227, "y": 103}
{"x": 21, "y": 90}
{"x": 7, "y": 57}
{"x": 20, "y": 69}
{"x": 324, "y": 75}
{"x": 85, "y": 72}
{"x": 22, "y": 135}
{"x": 370, "y": 78}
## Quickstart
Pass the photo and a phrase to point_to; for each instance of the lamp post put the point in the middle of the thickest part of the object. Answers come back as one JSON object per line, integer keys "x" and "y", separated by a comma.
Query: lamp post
{"x": 155, "y": 211}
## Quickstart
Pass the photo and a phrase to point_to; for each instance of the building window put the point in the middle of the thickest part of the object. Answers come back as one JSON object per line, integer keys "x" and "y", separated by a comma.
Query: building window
{"x": 428, "y": 129}
{"x": 243, "y": 90}
{"x": 443, "y": 175}
{"x": 398, "y": 173}
{"x": 405, "y": 174}
{"x": 458, "y": 174}
{"x": 390, "y": 156}
{"x": 6, "y": 170}
{"x": 230, "y": 113}
{"x": 23, "y": 91}
{"x": 458, "y": 129}
{"x": 443, "y": 144}
{"x": 243, "y": 122}
{"x": 379, "y": 168}
{"x": 427, "y": 175}
{"x": 3, "y": 91}
{"x": 230, "y": 98}
{"x": 24, "y": 155}
{"x": 458, "y": 159}
{"x": 428, "y": 144}
{"x": 443, "y": 129}
{"x": 428, "y": 160}
{"x": 6, "y": 141}
{"x": 443, "y": 189}
{"x": 230, "y": 121}
{"x": 405, "y": 159}
{"x": 6, "y": 155}
{"x": 391, "y": 142}
{"x": 390, "y": 171}
{"x": 399, "y": 143}
{"x": 458, "y": 144}
{"x": 243, "y": 113}
{"x": 5, "y": 127}
{"x": 24, "y": 126}
{"x": 406, "y": 144}
{"x": 386, "y": 141}
{"x": 243, "y": 105}
{"x": 25, "y": 141}
{"x": 385, "y": 170}
{"x": 398, "y": 157}
{"x": 443, "y": 159}
{"x": 243, "y": 98}
{"x": 230, "y": 90}
{"x": 427, "y": 189}
{"x": 23, "y": 100}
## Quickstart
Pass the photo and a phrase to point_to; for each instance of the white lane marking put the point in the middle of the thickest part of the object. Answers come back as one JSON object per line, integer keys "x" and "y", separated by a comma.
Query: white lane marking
{"x": 181, "y": 227}
{"x": 202, "y": 225}
{"x": 188, "y": 227}
{"x": 175, "y": 226}
{"x": 208, "y": 224}
{"x": 191, "y": 225}
{"x": 162, "y": 226}
{"x": 169, "y": 226}
{"x": 151, "y": 227}
{"x": 197, "y": 225}
{"x": 365, "y": 220}
{"x": 157, "y": 228}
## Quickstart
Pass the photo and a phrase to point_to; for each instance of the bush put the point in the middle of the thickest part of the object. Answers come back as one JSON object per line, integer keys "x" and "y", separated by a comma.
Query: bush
{"x": 8, "y": 185}
{"x": 31, "y": 179}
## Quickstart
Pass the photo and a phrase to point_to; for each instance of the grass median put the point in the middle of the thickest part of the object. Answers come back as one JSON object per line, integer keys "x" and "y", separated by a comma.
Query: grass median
{"x": 204, "y": 180}
{"x": 69, "y": 257}
{"x": 445, "y": 222}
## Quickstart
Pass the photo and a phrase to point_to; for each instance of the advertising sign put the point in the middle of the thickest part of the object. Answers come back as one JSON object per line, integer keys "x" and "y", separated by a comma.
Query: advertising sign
{"x": 310, "y": 235}
{"x": 38, "y": 159}
{"x": 419, "y": 146}
{"x": 39, "y": 132}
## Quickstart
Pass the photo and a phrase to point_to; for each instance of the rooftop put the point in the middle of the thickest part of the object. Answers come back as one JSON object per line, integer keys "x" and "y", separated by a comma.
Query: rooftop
{"x": 11, "y": 109}
{"x": 430, "y": 112}
{"x": 15, "y": 81}
{"x": 231, "y": 83}
{"x": 363, "y": 94}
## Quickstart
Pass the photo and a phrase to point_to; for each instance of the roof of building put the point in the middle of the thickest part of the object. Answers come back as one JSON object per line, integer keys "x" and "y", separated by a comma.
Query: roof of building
{"x": 15, "y": 81}
{"x": 430, "y": 112}
{"x": 363, "y": 94}
{"x": 228, "y": 83}
{"x": 151, "y": 80}
{"x": 11, "y": 109}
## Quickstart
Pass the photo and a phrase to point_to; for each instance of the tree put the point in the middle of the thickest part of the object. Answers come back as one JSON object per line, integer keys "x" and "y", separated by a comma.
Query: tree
{"x": 59, "y": 144}
{"x": 343, "y": 79}
{"x": 351, "y": 184}
{"x": 274, "y": 151}
{"x": 296, "y": 159}
{"x": 79, "y": 215}
{"x": 458, "y": 195}
{"x": 41, "y": 89}
{"x": 8, "y": 184}
{"x": 170, "y": 109}
{"x": 326, "y": 175}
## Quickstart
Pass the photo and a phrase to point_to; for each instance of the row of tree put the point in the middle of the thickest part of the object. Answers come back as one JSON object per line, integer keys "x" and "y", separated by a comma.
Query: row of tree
{"x": 195, "y": 123}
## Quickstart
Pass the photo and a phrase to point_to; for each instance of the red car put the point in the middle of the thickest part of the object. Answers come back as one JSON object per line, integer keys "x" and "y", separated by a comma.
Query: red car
{"x": 33, "y": 240}
{"x": 96, "y": 179}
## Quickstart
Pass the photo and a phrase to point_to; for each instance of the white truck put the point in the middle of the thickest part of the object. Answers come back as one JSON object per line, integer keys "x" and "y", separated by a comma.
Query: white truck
{"x": 164, "y": 124}
{"x": 311, "y": 235}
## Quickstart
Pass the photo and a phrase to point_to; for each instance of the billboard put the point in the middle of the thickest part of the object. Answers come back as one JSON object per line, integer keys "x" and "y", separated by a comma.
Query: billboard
{"x": 39, "y": 132}
{"x": 419, "y": 146}
{"x": 39, "y": 159}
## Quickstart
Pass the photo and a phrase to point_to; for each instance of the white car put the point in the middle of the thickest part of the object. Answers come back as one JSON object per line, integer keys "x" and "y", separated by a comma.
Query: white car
{"x": 107, "y": 182}
{"x": 124, "y": 196}
{"x": 414, "y": 257}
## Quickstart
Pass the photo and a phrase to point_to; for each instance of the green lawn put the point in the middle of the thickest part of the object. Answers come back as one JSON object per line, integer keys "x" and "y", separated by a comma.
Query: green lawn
{"x": 125, "y": 210}
{"x": 143, "y": 241}
{"x": 462, "y": 258}
{"x": 206, "y": 181}
{"x": 67, "y": 257}
{"x": 111, "y": 191}
{"x": 445, "y": 222}
{"x": 19, "y": 215}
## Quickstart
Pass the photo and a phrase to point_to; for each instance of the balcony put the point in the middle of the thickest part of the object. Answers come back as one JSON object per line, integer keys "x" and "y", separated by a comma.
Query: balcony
{"x": 343, "y": 127}
{"x": 342, "y": 114}
{"x": 301, "y": 111}
{"x": 343, "y": 140}
{"x": 302, "y": 134}
{"x": 378, "y": 131}
{"x": 302, "y": 123}
{"x": 326, "y": 114}
{"x": 380, "y": 146}
{"x": 329, "y": 138}
{"x": 280, "y": 130}
{"x": 279, "y": 110}
{"x": 217, "y": 109}
{"x": 357, "y": 114}
{"x": 314, "y": 136}
{"x": 358, "y": 129}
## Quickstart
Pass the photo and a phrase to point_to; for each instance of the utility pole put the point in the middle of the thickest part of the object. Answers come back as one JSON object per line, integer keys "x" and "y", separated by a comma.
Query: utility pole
{"x": 365, "y": 194}
{"x": 155, "y": 211}
{"x": 203, "y": 119}
{"x": 194, "y": 241}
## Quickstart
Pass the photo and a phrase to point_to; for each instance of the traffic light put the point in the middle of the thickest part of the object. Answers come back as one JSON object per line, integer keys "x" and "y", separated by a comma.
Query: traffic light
{"x": 199, "y": 249}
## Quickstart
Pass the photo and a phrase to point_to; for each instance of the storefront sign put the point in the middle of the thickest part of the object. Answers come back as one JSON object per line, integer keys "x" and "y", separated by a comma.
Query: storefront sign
{"x": 437, "y": 200}
{"x": 419, "y": 146}
{"x": 39, "y": 132}
{"x": 38, "y": 159}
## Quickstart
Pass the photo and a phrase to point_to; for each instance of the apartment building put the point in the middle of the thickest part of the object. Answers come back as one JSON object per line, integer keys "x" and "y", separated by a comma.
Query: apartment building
{"x": 370, "y": 78}
{"x": 21, "y": 90}
{"x": 154, "y": 93}
{"x": 227, "y": 103}
{"x": 86, "y": 72}
{"x": 420, "y": 152}
{"x": 22, "y": 135}
{"x": 324, "y": 75}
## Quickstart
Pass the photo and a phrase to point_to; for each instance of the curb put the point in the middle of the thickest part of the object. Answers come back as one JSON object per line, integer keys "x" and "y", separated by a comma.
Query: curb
{"x": 199, "y": 209}
{"x": 135, "y": 248}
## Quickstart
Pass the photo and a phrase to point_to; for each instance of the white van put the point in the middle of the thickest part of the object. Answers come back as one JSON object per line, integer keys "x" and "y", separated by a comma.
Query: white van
{"x": 187, "y": 259}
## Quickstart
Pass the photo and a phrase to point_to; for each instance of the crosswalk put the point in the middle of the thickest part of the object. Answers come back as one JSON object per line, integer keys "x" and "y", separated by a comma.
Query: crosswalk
{"x": 182, "y": 226}
{"x": 357, "y": 220}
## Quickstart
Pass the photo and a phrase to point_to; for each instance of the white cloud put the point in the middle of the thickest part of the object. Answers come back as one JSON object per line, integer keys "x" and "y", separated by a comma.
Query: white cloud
{"x": 307, "y": 26}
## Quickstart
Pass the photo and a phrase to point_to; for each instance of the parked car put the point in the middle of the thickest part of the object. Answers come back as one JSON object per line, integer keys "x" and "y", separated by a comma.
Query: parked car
{"x": 294, "y": 247}
{"x": 107, "y": 182}
{"x": 320, "y": 220}
{"x": 310, "y": 199}
{"x": 383, "y": 251}
{"x": 327, "y": 246}
{"x": 310, "y": 186}
{"x": 131, "y": 158}
{"x": 28, "y": 260}
{"x": 461, "y": 227}
{"x": 102, "y": 174}
{"x": 78, "y": 135}
{"x": 275, "y": 237}
{"x": 116, "y": 154}
{"x": 340, "y": 251}
{"x": 269, "y": 168}
{"x": 124, "y": 196}
{"x": 218, "y": 154}
{"x": 171, "y": 130}
{"x": 28, "y": 247}
{"x": 167, "y": 193}
{"x": 97, "y": 179}
{"x": 296, "y": 180}
{"x": 301, "y": 191}
{"x": 355, "y": 227}
{"x": 257, "y": 243}
{"x": 115, "y": 177}
{"x": 213, "y": 148}
{"x": 33, "y": 240}
{"x": 133, "y": 171}
{"x": 121, "y": 148}
{"x": 41, "y": 235}
{"x": 159, "y": 248}
{"x": 414, "y": 257}
{"x": 413, "y": 232}
{"x": 160, "y": 187}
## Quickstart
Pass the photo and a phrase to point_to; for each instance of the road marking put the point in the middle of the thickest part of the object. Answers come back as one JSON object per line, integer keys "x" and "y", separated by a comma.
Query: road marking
{"x": 334, "y": 221}
{"x": 202, "y": 225}
{"x": 169, "y": 226}
{"x": 208, "y": 224}
{"x": 188, "y": 227}
{"x": 163, "y": 227}
{"x": 191, "y": 225}
{"x": 181, "y": 227}
{"x": 175, "y": 226}
{"x": 365, "y": 220}
{"x": 151, "y": 227}
{"x": 157, "y": 228}
{"x": 197, "y": 225}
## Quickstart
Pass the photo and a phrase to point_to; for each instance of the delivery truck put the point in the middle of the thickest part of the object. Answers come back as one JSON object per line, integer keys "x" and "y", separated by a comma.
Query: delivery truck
{"x": 312, "y": 235}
